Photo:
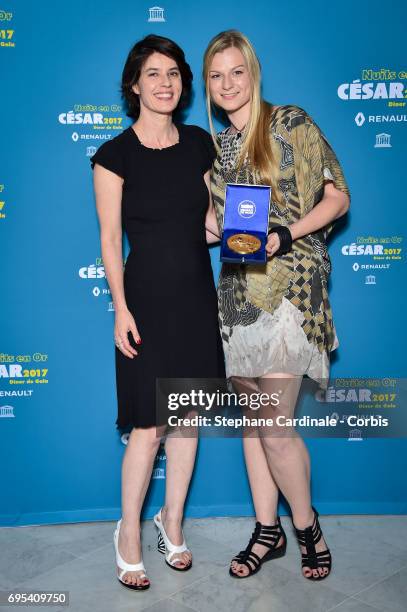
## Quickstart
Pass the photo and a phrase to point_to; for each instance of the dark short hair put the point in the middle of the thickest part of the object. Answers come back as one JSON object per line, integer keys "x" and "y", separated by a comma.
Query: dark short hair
{"x": 134, "y": 64}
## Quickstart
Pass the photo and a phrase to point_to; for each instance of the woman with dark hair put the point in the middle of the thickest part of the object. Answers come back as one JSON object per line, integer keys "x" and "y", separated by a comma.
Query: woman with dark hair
{"x": 154, "y": 178}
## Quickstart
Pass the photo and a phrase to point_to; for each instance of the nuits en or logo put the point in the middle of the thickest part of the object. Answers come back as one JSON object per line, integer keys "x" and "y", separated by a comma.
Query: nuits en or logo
{"x": 246, "y": 209}
{"x": 383, "y": 141}
{"x": 360, "y": 119}
{"x": 5, "y": 15}
{"x": 99, "y": 121}
{"x": 156, "y": 14}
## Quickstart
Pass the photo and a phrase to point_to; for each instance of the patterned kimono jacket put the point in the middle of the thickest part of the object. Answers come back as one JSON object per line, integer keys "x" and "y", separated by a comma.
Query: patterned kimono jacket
{"x": 277, "y": 317}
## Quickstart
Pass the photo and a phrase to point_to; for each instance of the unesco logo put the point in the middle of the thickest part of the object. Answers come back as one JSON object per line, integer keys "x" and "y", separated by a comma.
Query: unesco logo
{"x": 247, "y": 209}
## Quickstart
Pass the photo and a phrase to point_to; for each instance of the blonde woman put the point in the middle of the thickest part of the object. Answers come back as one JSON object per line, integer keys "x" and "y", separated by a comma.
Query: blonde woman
{"x": 276, "y": 321}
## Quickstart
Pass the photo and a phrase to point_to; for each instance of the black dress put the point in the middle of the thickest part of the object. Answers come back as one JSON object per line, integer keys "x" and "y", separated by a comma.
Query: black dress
{"x": 168, "y": 280}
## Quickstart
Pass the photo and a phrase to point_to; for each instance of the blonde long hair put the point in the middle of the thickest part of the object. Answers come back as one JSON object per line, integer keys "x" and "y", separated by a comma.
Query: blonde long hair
{"x": 256, "y": 143}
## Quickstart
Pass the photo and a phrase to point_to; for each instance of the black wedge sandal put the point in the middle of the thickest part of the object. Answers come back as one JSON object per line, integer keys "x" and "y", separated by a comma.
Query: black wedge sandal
{"x": 308, "y": 537}
{"x": 267, "y": 535}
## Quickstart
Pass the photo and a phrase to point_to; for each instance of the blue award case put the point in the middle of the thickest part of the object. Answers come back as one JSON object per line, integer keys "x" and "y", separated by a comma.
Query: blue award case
{"x": 246, "y": 211}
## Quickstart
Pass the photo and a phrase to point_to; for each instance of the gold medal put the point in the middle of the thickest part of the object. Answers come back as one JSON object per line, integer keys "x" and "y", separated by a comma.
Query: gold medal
{"x": 243, "y": 243}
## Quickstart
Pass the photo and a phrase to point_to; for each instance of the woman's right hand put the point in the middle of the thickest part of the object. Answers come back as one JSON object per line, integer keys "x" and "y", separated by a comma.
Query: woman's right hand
{"x": 125, "y": 323}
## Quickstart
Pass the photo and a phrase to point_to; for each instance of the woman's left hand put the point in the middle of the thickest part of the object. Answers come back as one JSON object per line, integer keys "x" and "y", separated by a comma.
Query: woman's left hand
{"x": 273, "y": 244}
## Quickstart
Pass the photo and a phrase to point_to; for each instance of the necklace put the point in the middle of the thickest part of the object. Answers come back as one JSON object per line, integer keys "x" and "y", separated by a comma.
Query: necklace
{"x": 237, "y": 133}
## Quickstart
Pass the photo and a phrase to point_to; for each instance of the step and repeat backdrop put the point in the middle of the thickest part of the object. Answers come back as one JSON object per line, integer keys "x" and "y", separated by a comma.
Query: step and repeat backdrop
{"x": 60, "y": 67}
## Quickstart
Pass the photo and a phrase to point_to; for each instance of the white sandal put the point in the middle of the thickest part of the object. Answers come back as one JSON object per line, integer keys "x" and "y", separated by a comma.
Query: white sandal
{"x": 166, "y": 547}
{"x": 128, "y": 567}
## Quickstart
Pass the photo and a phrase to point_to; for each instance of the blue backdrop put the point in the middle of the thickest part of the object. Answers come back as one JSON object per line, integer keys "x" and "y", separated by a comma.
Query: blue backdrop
{"x": 60, "y": 75}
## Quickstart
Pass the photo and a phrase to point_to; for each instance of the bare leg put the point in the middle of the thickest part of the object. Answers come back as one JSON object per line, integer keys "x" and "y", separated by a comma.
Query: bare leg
{"x": 262, "y": 484}
{"x": 137, "y": 467}
{"x": 288, "y": 457}
{"x": 181, "y": 452}
{"x": 264, "y": 493}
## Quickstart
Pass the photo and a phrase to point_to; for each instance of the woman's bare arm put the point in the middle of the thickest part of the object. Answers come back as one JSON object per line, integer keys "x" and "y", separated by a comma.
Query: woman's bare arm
{"x": 108, "y": 191}
{"x": 211, "y": 224}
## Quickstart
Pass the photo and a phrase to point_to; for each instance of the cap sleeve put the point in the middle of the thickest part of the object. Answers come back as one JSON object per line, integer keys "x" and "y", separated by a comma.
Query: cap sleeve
{"x": 208, "y": 151}
{"x": 315, "y": 163}
{"x": 322, "y": 157}
{"x": 110, "y": 156}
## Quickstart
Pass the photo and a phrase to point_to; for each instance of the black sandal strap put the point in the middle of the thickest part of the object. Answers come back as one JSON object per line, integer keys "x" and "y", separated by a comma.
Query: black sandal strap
{"x": 249, "y": 567}
{"x": 309, "y": 537}
{"x": 265, "y": 535}
{"x": 254, "y": 556}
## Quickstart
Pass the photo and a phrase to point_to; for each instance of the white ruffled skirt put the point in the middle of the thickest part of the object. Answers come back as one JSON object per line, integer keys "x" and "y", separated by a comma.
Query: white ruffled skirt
{"x": 275, "y": 343}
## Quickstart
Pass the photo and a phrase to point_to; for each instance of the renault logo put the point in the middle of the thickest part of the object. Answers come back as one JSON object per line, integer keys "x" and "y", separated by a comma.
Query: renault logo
{"x": 360, "y": 119}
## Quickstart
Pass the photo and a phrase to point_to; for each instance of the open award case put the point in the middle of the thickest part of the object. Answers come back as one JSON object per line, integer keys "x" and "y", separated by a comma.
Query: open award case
{"x": 245, "y": 223}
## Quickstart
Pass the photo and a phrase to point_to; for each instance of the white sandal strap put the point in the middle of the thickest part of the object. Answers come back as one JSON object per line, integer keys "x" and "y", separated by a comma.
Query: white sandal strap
{"x": 171, "y": 548}
{"x": 177, "y": 549}
{"x": 121, "y": 563}
{"x": 122, "y": 572}
{"x": 176, "y": 558}
{"x": 129, "y": 567}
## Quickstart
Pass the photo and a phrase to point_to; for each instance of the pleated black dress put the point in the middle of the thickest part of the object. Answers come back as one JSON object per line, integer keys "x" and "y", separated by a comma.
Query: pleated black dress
{"x": 168, "y": 280}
